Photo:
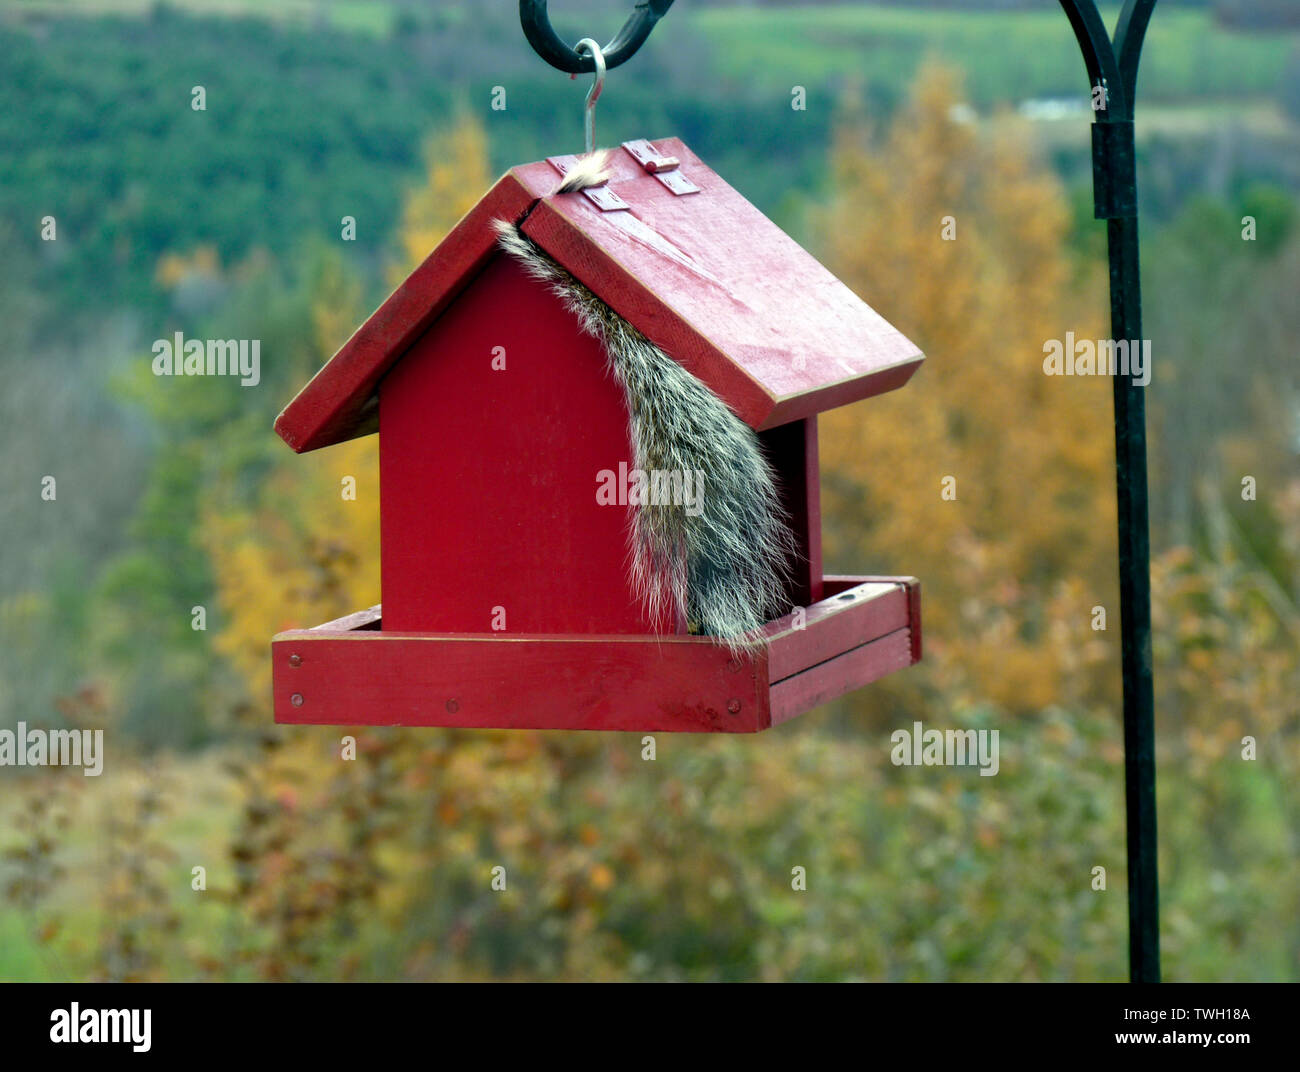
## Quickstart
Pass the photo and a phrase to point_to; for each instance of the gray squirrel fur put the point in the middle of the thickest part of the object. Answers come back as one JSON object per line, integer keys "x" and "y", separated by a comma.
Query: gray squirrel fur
{"x": 726, "y": 567}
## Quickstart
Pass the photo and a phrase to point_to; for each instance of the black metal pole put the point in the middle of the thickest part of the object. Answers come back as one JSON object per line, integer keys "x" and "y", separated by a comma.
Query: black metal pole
{"x": 1135, "y": 615}
{"x": 1113, "y": 71}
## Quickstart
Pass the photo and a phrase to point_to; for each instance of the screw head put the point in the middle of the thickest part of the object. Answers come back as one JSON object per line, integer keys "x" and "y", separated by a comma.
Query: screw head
{"x": 296, "y": 699}
{"x": 452, "y": 707}
{"x": 295, "y": 660}
{"x": 734, "y": 707}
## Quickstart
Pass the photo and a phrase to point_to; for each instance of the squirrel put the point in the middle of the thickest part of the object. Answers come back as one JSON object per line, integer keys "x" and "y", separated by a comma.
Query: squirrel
{"x": 723, "y": 566}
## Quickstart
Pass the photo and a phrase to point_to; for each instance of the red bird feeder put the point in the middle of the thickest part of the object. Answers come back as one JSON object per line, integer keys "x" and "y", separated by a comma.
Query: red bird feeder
{"x": 522, "y": 382}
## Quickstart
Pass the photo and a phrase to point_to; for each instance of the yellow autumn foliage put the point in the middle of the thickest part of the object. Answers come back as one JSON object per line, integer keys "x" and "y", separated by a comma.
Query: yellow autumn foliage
{"x": 305, "y": 553}
{"x": 311, "y": 555}
{"x": 173, "y": 268}
{"x": 456, "y": 177}
{"x": 959, "y": 239}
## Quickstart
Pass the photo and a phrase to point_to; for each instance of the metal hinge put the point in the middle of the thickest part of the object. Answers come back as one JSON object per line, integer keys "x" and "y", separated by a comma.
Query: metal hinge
{"x": 664, "y": 168}
{"x": 601, "y": 196}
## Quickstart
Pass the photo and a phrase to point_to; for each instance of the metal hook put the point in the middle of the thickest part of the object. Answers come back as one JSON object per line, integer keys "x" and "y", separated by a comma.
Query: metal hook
{"x": 593, "y": 94}
{"x": 547, "y": 43}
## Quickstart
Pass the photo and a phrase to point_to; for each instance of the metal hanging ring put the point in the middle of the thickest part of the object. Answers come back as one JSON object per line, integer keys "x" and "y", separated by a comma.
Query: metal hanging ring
{"x": 548, "y": 44}
{"x": 593, "y": 94}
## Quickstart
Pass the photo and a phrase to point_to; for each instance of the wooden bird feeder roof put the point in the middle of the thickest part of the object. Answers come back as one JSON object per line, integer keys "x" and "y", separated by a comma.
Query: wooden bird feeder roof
{"x": 676, "y": 252}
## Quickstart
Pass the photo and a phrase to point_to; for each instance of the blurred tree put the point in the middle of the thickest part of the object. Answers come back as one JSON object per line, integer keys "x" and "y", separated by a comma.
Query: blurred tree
{"x": 959, "y": 239}
{"x": 1221, "y": 311}
{"x": 300, "y": 546}
{"x": 456, "y": 177}
{"x": 379, "y": 866}
{"x": 297, "y": 552}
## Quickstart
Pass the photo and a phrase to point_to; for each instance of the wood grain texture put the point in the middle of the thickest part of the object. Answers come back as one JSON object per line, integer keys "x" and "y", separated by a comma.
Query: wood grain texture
{"x": 338, "y": 403}
{"x": 370, "y": 618}
{"x": 716, "y": 284}
{"x": 839, "y": 623}
{"x": 827, "y": 681}
{"x": 706, "y": 276}
{"x": 791, "y": 450}
{"x": 488, "y": 476}
{"x": 358, "y": 675}
{"x": 837, "y": 583}
{"x": 643, "y": 684}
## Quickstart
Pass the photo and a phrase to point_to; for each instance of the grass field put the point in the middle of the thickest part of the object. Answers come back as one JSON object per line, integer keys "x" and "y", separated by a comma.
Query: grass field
{"x": 1005, "y": 54}
{"x": 346, "y": 14}
{"x": 1008, "y": 55}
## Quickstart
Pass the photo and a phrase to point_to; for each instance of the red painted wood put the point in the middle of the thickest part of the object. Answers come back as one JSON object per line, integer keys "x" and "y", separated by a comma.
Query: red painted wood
{"x": 706, "y": 276}
{"x": 839, "y": 623}
{"x": 338, "y": 403}
{"x": 638, "y": 302}
{"x": 349, "y": 673}
{"x": 792, "y": 451}
{"x": 813, "y": 498}
{"x": 489, "y": 476}
{"x": 642, "y": 684}
{"x": 716, "y": 284}
{"x": 826, "y": 681}
{"x": 836, "y": 584}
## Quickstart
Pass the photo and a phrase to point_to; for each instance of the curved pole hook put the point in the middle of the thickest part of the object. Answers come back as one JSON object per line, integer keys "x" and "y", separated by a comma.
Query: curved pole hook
{"x": 1098, "y": 53}
{"x": 548, "y": 44}
{"x": 1130, "y": 32}
{"x": 1112, "y": 65}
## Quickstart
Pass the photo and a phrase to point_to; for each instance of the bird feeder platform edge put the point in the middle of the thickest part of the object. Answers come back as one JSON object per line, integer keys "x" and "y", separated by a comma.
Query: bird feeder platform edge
{"x": 351, "y": 672}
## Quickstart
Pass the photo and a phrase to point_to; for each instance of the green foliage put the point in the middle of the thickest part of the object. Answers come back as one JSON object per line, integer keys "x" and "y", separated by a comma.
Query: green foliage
{"x": 379, "y": 868}
{"x": 210, "y": 435}
{"x": 1289, "y": 86}
{"x": 1219, "y": 310}
{"x": 307, "y": 122}
{"x": 1028, "y": 53}
{"x": 301, "y": 128}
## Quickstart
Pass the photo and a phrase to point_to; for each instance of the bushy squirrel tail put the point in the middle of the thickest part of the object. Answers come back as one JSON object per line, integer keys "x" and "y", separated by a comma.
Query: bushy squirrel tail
{"x": 723, "y": 560}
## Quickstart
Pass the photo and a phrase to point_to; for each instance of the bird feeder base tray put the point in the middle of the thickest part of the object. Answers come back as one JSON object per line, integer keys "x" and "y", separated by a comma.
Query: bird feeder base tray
{"x": 351, "y": 672}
